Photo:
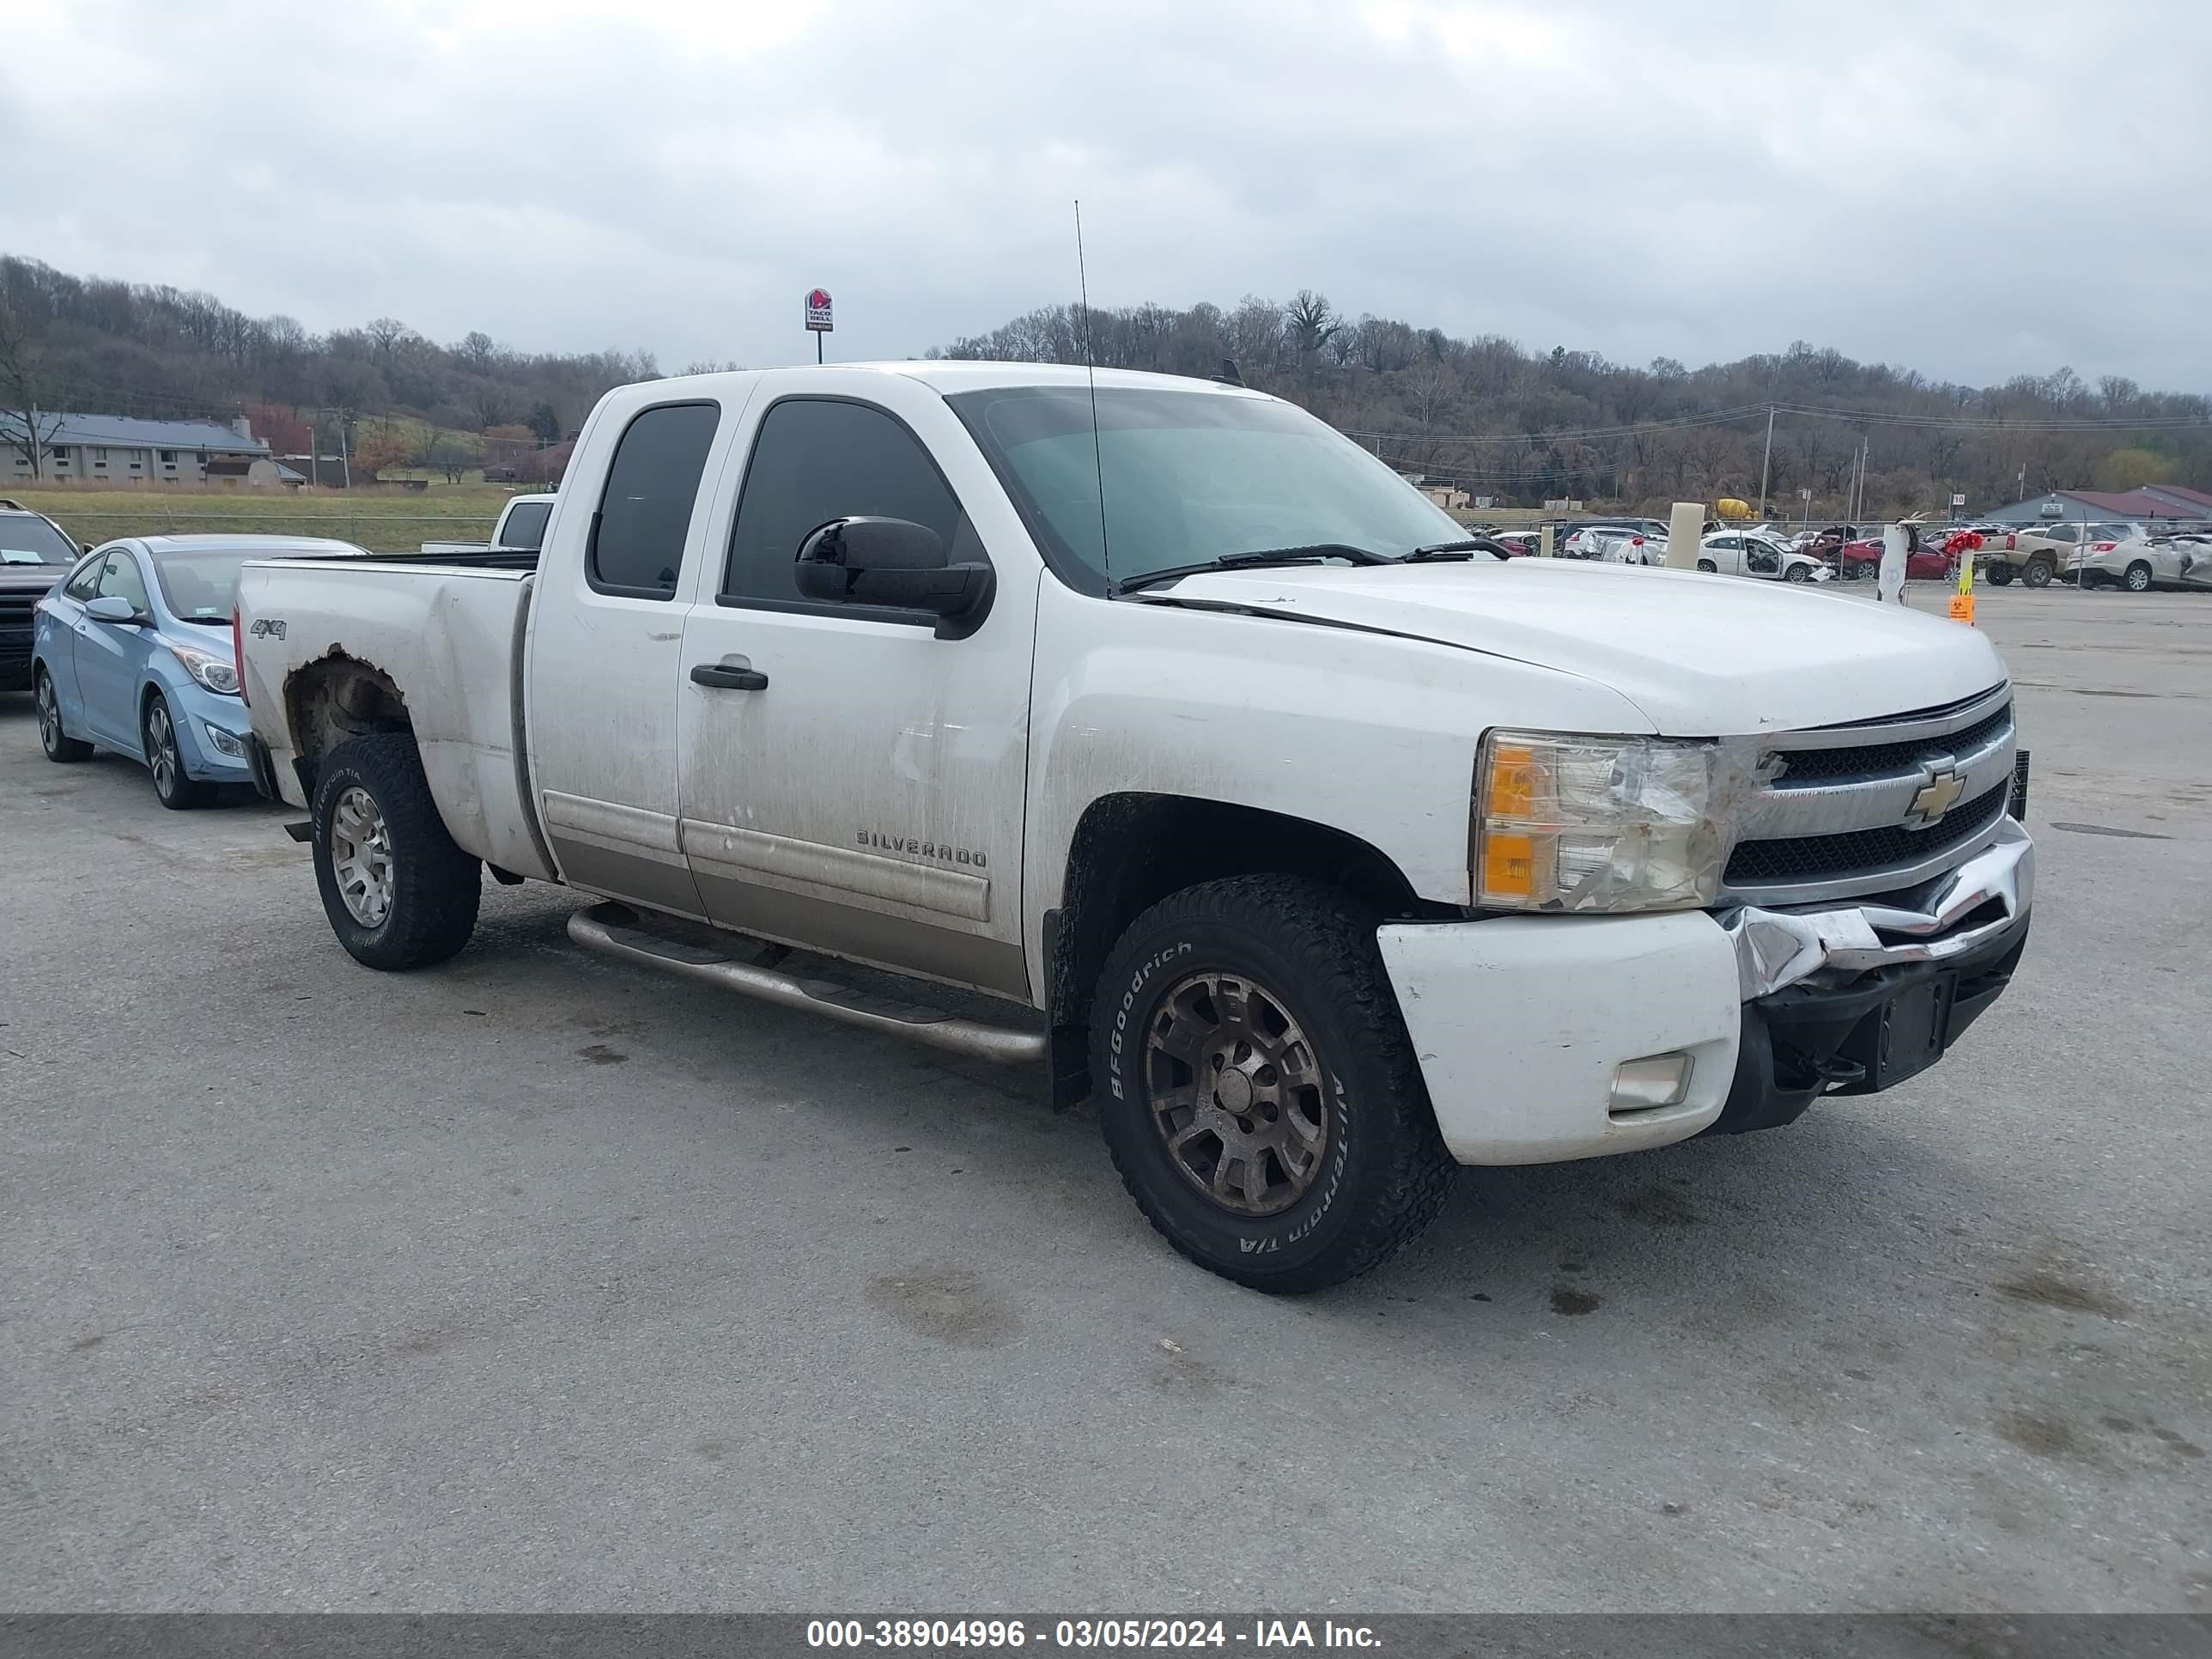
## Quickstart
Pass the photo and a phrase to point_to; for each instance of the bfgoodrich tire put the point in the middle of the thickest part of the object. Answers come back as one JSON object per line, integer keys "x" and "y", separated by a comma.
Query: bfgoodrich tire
{"x": 398, "y": 892}
{"x": 1256, "y": 1086}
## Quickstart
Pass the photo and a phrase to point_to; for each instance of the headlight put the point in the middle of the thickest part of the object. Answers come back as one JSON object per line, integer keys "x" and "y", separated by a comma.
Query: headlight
{"x": 1576, "y": 824}
{"x": 211, "y": 672}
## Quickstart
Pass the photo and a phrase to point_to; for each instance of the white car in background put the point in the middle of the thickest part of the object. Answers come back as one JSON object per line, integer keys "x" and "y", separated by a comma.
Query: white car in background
{"x": 2140, "y": 563}
{"x": 1745, "y": 553}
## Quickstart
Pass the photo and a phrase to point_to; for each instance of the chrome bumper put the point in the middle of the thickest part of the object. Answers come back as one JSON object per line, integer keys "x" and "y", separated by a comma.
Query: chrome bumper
{"x": 1778, "y": 948}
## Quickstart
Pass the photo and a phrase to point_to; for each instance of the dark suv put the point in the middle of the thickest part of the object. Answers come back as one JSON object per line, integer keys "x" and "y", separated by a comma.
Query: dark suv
{"x": 34, "y": 555}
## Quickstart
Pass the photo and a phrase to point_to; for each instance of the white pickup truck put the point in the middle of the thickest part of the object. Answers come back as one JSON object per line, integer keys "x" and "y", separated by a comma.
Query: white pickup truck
{"x": 1156, "y": 734}
{"x": 520, "y": 524}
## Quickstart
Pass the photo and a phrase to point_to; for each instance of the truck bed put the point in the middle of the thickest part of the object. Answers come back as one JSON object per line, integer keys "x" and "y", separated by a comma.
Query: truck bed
{"x": 447, "y": 631}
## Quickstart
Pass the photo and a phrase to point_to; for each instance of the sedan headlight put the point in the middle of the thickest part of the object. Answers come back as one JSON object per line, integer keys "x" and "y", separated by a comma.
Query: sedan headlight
{"x": 212, "y": 671}
{"x": 1586, "y": 825}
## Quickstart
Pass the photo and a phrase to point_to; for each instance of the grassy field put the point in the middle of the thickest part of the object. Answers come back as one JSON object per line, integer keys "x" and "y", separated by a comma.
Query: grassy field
{"x": 382, "y": 520}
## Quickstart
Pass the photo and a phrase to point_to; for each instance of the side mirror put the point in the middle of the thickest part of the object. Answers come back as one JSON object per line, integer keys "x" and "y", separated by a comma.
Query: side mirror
{"x": 111, "y": 608}
{"x": 897, "y": 564}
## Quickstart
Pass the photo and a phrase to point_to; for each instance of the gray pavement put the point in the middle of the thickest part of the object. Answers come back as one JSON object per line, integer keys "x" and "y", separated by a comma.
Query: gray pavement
{"x": 538, "y": 1281}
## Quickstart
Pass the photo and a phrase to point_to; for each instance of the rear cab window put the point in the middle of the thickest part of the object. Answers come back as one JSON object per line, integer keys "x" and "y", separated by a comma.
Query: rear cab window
{"x": 644, "y": 517}
{"x": 524, "y": 523}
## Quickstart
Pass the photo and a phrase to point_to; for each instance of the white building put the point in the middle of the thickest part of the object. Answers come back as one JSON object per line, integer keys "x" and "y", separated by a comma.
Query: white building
{"x": 115, "y": 449}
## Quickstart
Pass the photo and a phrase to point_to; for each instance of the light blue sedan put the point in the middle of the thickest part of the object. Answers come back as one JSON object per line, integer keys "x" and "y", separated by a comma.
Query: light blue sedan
{"x": 133, "y": 652}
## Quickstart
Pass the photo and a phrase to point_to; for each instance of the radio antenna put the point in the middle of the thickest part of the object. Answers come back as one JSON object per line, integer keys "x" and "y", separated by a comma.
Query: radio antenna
{"x": 1091, "y": 374}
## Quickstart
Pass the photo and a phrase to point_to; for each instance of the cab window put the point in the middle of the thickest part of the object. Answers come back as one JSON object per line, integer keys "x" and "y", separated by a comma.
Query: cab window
{"x": 637, "y": 536}
{"x": 820, "y": 459}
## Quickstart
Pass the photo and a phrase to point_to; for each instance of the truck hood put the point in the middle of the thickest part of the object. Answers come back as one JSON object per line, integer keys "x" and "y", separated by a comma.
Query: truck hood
{"x": 1701, "y": 655}
{"x": 30, "y": 577}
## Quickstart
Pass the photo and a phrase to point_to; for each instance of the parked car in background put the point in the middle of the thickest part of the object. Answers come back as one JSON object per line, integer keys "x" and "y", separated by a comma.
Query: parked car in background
{"x": 2142, "y": 563}
{"x": 1925, "y": 560}
{"x": 34, "y": 552}
{"x": 520, "y": 524}
{"x": 1733, "y": 553}
{"x": 134, "y": 653}
{"x": 2036, "y": 555}
{"x": 1520, "y": 543}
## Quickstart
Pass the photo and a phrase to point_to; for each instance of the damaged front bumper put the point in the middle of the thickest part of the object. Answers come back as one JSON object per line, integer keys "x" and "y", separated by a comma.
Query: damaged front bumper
{"x": 1853, "y": 999}
{"x": 1525, "y": 1027}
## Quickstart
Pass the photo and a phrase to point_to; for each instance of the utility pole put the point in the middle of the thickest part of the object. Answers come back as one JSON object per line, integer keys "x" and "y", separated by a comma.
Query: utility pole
{"x": 345, "y": 458}
{"x": 1765, "y": 461}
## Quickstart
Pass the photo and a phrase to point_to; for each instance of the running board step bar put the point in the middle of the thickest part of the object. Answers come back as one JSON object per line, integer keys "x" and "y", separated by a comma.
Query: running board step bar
{"x": 736, "y": 962}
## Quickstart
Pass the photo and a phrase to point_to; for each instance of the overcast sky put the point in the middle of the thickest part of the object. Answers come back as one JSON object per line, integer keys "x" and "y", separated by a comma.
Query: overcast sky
{"x": 1971, "y": 188}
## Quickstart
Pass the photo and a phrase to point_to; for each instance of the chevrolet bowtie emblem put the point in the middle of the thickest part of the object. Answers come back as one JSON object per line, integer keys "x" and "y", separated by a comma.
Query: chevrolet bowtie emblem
{"x": 1937, "y": 796}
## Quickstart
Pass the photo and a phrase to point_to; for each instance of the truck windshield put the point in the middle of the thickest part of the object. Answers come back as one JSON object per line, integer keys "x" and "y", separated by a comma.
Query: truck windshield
{"x": 1189, "y": 476}
{"x": 27, "y": 538}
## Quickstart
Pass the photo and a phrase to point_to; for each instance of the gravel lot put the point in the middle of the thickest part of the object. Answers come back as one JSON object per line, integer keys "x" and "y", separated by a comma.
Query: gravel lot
{"x": 542, "y": 1282}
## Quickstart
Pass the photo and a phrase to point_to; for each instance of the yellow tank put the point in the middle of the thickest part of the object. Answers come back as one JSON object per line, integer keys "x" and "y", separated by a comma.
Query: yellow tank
{"x": 1728, "y": 508}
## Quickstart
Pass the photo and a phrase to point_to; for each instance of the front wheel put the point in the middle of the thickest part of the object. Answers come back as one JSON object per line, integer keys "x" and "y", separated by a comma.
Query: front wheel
{"x": 1797, "y": 572}
{"x": 2137, "y": 580}
{"x": 2038, "y": 572}
{"x": 1257, "y": 1089}
{"x": 57, "y": 743}
{"x": 399, "y": 891}
{"x": 172, "y": 788}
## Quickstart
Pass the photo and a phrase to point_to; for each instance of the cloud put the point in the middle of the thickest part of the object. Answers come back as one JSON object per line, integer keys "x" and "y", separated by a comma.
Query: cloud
{"x": 1972, "y": 191}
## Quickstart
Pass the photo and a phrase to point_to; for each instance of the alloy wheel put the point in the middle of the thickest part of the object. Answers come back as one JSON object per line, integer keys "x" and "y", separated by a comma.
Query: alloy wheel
{"x": 1238, "y": 1092}
{"x": 162, "y": 749}
{"x": 50, "y": 715}
{"x": 361, "y": 855}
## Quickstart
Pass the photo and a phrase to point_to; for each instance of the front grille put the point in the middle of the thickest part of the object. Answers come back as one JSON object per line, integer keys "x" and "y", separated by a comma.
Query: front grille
{"x": 1822, "y": 858}
{"x": 16, "y": 609}
{"x": 1804, "y": 766}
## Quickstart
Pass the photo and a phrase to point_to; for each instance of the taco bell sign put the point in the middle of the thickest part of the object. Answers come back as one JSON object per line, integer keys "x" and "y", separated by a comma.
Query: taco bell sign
{"x": 817, "y": 311}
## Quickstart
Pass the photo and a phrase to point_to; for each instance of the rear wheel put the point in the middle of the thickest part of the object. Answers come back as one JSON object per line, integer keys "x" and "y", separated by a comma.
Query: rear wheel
{"x": 57, "y": 744}
{"x": 2137, "y": 579}
{"x": 1709, "y": 566}
{"x": 1259, "y": 1094}
{"x": 172, "y": 788}
{"x": 2038, "y": 572}
{"x": 398, "y": 890}
{"x": 1999, "y": 575}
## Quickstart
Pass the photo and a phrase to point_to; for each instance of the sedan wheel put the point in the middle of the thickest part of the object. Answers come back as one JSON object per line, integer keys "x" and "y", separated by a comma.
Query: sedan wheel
{"x": 57, "y": 744}
{"x": 2138, "y": 578}
{"x": 172, "y": 788}
{"x": 1796, "y": 573}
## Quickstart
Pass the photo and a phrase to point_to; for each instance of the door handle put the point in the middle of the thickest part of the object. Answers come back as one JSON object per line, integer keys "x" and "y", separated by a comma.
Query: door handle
{"x": 730, "y": 674}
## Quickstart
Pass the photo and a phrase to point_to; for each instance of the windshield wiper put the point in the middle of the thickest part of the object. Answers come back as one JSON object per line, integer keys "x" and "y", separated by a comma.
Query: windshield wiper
{"x": 1457, "y": 552}
{"x": 1312, "y": 554}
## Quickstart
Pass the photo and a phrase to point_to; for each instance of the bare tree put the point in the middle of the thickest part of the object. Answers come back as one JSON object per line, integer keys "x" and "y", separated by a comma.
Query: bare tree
{"x": 23, "y": 427}
{"x": 385, "y": 334}
{"x": 1312, "y": 324}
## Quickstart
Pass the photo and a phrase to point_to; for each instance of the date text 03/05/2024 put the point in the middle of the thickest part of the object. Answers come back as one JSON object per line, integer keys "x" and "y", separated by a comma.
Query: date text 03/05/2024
{"x": 1261, "y": 1634}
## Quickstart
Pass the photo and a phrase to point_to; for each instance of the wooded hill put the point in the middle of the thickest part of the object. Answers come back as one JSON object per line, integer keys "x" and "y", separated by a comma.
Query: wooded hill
{"x": 1565, "y": 424}
{"x": 1523, "y": 426}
